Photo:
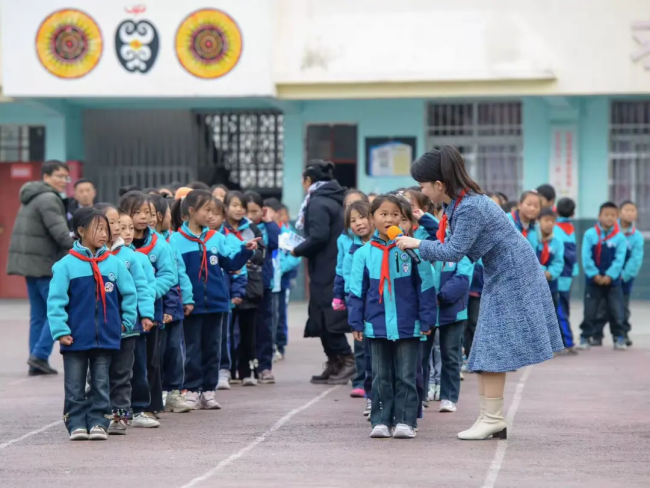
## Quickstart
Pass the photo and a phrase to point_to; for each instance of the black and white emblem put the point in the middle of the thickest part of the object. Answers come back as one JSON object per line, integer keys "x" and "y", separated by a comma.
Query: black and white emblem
{"x": 136, "y": 45}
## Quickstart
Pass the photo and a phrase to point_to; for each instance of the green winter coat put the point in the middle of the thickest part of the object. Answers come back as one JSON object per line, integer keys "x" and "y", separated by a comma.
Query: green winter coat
{"x": 41, "y": 236}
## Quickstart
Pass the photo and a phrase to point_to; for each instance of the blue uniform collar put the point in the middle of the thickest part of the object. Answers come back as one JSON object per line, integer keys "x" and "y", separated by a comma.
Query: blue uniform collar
{"x": 86, "y": 252}
{"x": 186, "y": 229}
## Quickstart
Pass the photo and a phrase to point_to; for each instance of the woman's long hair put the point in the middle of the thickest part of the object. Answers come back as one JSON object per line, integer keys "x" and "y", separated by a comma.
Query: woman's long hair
{"x": 447, "y": 166}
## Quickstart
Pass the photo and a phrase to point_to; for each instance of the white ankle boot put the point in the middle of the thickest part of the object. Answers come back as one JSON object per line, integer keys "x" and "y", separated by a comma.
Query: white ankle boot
{"x": 491, "y": 424}
{"x": 481, "y": 412}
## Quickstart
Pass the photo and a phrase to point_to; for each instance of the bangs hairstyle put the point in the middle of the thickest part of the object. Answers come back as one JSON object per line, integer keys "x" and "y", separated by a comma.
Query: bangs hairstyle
{"x": 400, "y": 201}
{"x": 160, "y": 204}
{"x": 607, "y": 205}
{"x": 528, "y": 193}
{"x": 360, "y": 206}
{"x": 132, "y": 201}
{"x": 253, "y": 197}
{"x": 364, "y": 197}
{"x": 547, "y": 212}
{"x": 231, "y": 195}
{"x": 85, "y": 217}
{"x": 105, "y": 207}
{"x": 424, "y": 202}
{"x": 447, "y": 166}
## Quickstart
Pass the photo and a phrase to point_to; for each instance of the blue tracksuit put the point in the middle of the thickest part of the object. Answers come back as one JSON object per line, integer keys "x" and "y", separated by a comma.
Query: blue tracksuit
{"x": 530, "y": 233}
{"x": 613, "y": 249}
{"x": 180, "y": 293}
{"x": 355, "y": 244}
{"x": 452, "y": 282}
{"x": 390, "y": 298}
{"x": 237, "y": 281}
{"x": 476, "y": 283}
{"x": 343, "y": 244}
{"x": 270, "y": 235}
{"x": 633, "y": 257}
{"x": 427, "y": 228}
{"x": 554, "y": 261}
{"x": 565, "y": 233}
{"x": 73, "y": 307}
{"x": 205, "y": 263}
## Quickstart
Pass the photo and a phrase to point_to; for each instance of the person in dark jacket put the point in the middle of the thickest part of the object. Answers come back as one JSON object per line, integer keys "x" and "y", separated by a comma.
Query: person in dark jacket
{"x": 321, "y": 219}
{"x": 39, "y": 239}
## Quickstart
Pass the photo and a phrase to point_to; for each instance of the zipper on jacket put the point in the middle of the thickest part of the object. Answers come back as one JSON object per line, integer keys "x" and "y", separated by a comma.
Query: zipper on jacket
{"x": 397, "y": 262}
{"x": 96, "y": 323}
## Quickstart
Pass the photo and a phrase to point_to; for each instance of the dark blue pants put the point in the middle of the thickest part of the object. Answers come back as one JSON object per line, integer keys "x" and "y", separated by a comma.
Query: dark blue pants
{"x": 394, "y": 369}
{"x": 282, "y": 328}
{"x": 225, "y": 362}
{"x": 451, "y": 355}
{"x": 367, "y": 383}
{"x": 83, "y": 411}
{"x": 140, "y": 395}
{"x": 203, "y": 347}
{"x": 40, "y": 336}
{"x": 563, "y": 314}
{"x": 425, "y": 356}
{"x": 265, "y": 332}
{"x": 609, "y": 297}
{"x": 172, "y": 353}
{"x": 360, "y": 361}
{"x": 120, "y": 374}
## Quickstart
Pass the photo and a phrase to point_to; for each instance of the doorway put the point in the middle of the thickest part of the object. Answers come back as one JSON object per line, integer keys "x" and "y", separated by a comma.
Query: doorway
{"x": 336, "y": 143}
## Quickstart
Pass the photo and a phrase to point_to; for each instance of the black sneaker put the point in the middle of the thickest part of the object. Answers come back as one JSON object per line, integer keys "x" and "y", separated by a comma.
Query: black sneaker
{"x": 628, "y": 342}
{"x": 596, "y": 342}
{"x": 35, "y": 372}
{"x": 42, "y": 365}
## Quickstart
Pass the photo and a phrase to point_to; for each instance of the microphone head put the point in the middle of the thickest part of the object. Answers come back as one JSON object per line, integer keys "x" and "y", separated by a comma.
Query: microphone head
{"x": 393, "y": 232}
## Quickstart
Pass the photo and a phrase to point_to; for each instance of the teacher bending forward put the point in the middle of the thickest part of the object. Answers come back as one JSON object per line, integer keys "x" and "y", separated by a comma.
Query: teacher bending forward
{"x": 517, "y": 325}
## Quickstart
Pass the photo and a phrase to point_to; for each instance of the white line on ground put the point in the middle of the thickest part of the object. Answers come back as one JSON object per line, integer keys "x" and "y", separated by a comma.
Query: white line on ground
{"x": 502, "y": 446}
{"x": 29, "y": 434}
{"x": 259, "y": 440}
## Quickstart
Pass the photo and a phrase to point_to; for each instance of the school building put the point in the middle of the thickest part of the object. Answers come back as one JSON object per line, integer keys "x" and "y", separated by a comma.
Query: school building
{"x": 245, "y": 92}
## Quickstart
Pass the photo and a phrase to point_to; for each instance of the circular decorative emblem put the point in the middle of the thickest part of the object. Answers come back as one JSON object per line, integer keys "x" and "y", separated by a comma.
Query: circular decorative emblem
{"x": 69, "y": 44}
{"x": 111, "y": 276}
{"x": 136, "y": 45}
{"x": 213, "y": 250}
{"x": 404, "y": 256}
{"x": 208, "y": 43}
{"x": 127, "y": 264}
{"x": 109, "y": 287}
{"x": 152, "y": 258}
{"x": 214, "y": 260}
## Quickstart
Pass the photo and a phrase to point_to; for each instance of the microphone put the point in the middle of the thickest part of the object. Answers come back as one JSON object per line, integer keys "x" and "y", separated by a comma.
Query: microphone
{"x": 394, "y": 232}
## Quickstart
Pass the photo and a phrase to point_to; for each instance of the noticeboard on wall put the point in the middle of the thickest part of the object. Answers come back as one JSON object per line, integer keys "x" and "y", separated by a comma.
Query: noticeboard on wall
{"x": 390, "y": 156}
{"x": 166, "y": 48}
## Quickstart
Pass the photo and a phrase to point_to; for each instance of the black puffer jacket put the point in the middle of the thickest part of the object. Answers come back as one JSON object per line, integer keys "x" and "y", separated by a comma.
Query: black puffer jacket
{"x": 41, "y": 235}
{"x": 323, "y": 226}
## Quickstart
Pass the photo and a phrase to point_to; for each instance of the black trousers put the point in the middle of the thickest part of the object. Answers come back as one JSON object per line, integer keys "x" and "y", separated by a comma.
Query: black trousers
{"x": 120, "y": 374}
{"x": 611, "y": 299}
{"x": 246, "y": 352}
{"x": 153, "y": 370}
{"x": 334, "y": 343}
{"x": 473, "y": 306}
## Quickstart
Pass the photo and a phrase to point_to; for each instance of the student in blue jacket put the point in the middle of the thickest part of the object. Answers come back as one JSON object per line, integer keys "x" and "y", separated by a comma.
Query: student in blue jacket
{"x": 121, "y": 370}
{"x": 392, "y": 302}
{"x": 206, "y": 256}
{"x": 603, "y": 255}
{"x": 633, "y": 258}
{"x": 525, "y": 217}
{"x": 565, "y": 232}
{"x": 92, "y": 300}
{"x": 263, "y": 218}
{"x": 147, "y": 350}
{"x": 550, "y": 253}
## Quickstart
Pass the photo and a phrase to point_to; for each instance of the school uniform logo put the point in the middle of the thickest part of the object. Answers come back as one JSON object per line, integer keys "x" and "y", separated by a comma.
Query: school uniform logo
{"x": 153, "y": 258}
{"x": 127, "y": 264}
{"x": 213, "y": 250}
{"x": 214, "y": 260}
{"x": 109, "y": 287}
{"x": 111, "y": 277}
{"x": 404, "y": 256}
{"x": 406, "y": 267}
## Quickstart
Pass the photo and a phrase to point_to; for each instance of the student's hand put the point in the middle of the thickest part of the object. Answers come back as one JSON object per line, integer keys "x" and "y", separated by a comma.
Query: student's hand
{"x": 236, "y": 272}
{"x": 167, "y": 318}
{"x": 66, "y": 340}
{"x": 236, "y": 301}
{"x": 405, "y": 242}
{"x": 548, "y": 276}
{"x": 606, "y": 280}
{"x": 252, "y": 244}
{"x": 147, "y": 325}
{"x": 358, "y": 336}
{"x": 268, "y": 214}
{"x": 425, "y": 332}
{"x": 598, "y": 280}
{"x": 418, "y": 214}
{"x": 188, "y": 309}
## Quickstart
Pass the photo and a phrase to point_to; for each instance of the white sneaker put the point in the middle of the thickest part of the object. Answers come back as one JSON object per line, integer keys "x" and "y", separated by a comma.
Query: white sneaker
{"x": 98, "y": 433}
{"x": 175, "y": 403}
{"x": 79, "y": 435}
{"x": 144, "y": 422}
{"x": 165, "y": 398}
{"x": 403, "y": 431}
{"x": 277, "y": 356}
{"x": 380, "y": 432}
{"x": 224, "y": 380}
{"x": 436, "y": 393}
{"x": 192, "y": 400}
{"x": 462, "y": 376}
{"x": 368, "y": 408}
{"x": 447, "y": 406}
{"x": 208, "y": 402}
{"x": 250, "y": 381}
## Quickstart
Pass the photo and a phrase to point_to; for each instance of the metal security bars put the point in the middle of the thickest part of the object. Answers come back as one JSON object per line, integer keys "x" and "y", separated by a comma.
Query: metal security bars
{"x": 22, "y": 143}
{"x": 629, "y": 156}
{"x": 488, "y": 135}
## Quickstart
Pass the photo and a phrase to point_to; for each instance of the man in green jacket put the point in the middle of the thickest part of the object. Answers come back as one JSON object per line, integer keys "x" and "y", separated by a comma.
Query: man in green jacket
{"x": 40, "y": 238}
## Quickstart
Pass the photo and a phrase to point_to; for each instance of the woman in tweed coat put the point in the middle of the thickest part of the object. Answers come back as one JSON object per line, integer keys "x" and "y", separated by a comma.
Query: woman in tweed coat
{"x": 517, "y": 324}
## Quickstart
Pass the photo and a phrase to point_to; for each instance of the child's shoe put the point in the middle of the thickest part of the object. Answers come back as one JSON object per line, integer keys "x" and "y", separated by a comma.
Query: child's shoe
{"x": 628, "y": 341}
{"x": 207, "y": 401}
{"x": 596, "y": 342}
{"x": 585, "y": 344}
{"x": 403, "y": 431}
{"x": 380, "y": 432}
{"x": 98, "y": 433}
{"x": 143, "y": 421}
{"x": 358, "y": 393}
{"x": 277, "y": 356}
{"x": 250, "y": 381}
{"x": 117, "y": 427}
{"x": 462, "y": 376}
{"x": 79, "y": 435}
{"x": 619, "y": 344}
{"x": 165, "y": 393}
{"x": 366, "y": 411}
{"x": 175, "y": 403}
{"x": 224, "y": 380}
{"x": 447, "y": 406}
{"x": 192, "y": 400}
{"x": 266, "y": 377}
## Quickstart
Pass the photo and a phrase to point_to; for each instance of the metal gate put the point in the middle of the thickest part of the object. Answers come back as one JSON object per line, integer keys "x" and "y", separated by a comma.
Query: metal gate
{"x": 488, "y": 135}
{"x": 629, "y": 156}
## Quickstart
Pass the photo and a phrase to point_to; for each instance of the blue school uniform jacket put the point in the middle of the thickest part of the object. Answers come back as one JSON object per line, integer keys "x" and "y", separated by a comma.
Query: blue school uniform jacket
{"x": 73, "y": 307}
{"x": 565, "y": 233}
{"x": 633, "y": 258}
{"x": 288, "y": 263}
{"x": 238, "y": 280}
{"x": 356, "y": 244}
{"x": 270, "y": 235}
{"x": 613, "y": 248}
{"x": 476, "y": 283}
{"x": 554, "y": 262}
{"x": 343, "y": 244}
{"x": 205, "y": 265}
{"x": 427, "y": 229}
{"x": 530, "y": 233}
{"x": 390, "y": 298}
{"x": 180, "y": 293}
{"x": 452, "y": 282}
{"x": 145, "y": 294}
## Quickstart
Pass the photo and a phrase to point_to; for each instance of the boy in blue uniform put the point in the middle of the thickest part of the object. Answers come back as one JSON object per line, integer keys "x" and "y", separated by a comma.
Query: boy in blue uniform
{"x": 633, "y": 259}
{"x": 603, "y": 255}
{"x": 565, "y": 232}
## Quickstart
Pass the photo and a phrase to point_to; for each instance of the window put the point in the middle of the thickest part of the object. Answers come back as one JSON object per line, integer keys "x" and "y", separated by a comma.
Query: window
{"x": 336, "y": 143}
{"x": 488, "y": 135}
{"x": 22, "y": 143}
{"x": 629, "y": 156}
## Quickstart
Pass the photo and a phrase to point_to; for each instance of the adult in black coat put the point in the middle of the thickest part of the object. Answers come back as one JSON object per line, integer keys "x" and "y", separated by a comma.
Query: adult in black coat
{"x": 321, "y": 219}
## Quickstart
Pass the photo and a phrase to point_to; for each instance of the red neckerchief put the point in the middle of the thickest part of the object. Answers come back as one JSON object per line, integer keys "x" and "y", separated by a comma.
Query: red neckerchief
{"x": 202, "y": 246}
{"x": 599, "y": 246}
{"x": 515, "y": 216}
{"x": 442, "y": 229}
{"x": 170, "y": 234}
{"x": 235, "y": 232}
{"x": 116, "y": 251}
{"x": 385, "y": 269}
{"x": 546, "y": 253}
{"x": 147, "y": 249}
{"x": 415, "y": 227}
{"x": 99, "y": 281}
{"x": 566, "y": 227}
